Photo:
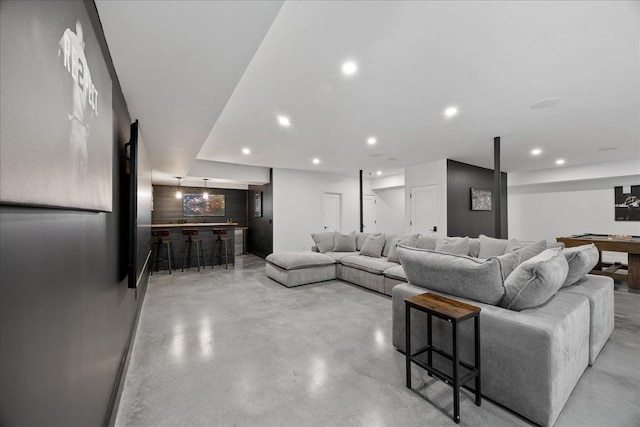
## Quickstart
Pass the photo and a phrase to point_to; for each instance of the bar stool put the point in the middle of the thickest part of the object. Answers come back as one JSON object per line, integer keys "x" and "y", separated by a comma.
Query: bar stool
{"x": 157, "y": 249}
{"x": 189, "y": 232}
{"x": 220, "y": 241}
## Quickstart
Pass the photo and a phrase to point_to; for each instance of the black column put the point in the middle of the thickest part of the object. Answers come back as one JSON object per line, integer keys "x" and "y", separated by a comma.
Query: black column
{"x": 361, "y": 205}
{"x": 497, "y": 188}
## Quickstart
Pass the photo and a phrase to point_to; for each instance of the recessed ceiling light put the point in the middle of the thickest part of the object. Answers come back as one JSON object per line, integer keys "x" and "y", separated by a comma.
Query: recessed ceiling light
{"x": 450, "y": 112}
{"x": 536, "y": 152}
{"x": 560, "y": 162}
{"x": 371, "y": 140}
{"x": 284, "y": 121}
{"x": 545, "y": 103}
{"x": 316, "y": 161}
{"x": 379, "y": 173}
{"x": 246, "y": 151}
{"x": 349, "y": 68}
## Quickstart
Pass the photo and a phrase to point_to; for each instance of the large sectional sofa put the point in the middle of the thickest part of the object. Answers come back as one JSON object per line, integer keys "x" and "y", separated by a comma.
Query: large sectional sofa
{"x": 544, "y": 319}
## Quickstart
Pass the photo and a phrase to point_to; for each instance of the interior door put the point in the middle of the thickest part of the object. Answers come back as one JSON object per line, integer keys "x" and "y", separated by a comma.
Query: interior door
{"x": 369, "y": 216}
{"x": 331, "y": 211}
{"x": 425, "y": 209}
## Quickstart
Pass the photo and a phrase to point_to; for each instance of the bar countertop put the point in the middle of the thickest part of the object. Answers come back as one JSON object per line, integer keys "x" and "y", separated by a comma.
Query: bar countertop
{"x": 196, "y": 224}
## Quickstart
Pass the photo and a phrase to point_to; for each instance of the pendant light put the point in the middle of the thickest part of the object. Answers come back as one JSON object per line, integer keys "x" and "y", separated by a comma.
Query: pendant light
{"x": 205, "y": 194}
{"x": 179, "y": 192}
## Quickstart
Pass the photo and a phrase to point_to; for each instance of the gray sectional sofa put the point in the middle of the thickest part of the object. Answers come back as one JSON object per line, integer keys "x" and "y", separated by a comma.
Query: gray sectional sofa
{"x": 543, "y": 318}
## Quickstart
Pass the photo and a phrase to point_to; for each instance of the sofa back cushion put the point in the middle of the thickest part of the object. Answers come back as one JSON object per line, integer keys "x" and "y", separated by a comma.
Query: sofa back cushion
{"x": 323, "y": 241}
{"x": 373, "y": 246}
{"x": 535, "y": 281}
{"x": 427, "y": 242}
{"x": 490, "y": 246}
{"x": 458, "y": 275}
{"x": 410, "y": 240}
{"x": 527, "y": 250}
{"x": 581, "y": 260}
{"x": 344, "y": 242}
{"x": 458, "y": 246}
{"x": 361, "y": 237}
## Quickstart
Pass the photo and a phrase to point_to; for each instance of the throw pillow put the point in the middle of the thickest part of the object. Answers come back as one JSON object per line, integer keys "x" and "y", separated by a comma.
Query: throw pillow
{"x": 387, "y": 244}
{"x": 344, "y": 242}
{"x": 527, "y": 250}
{"x": 323, "y": 241}
{"x": 535, "y": 281}
{"x": 474, "y": 247}
{"x": 453, "y": 246}
{"x": 410, "y": 241}
{"x": 581, "y": 260}
{"x": 426, "y": 242}
{"x": 360, "y": 238}
{"x": 458, "y": 275}
{"x": 490, "y": 246}
{"x": 373, "y": 246}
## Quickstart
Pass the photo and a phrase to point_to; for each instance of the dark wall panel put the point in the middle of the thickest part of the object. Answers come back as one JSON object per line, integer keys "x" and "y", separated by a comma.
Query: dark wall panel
{"x": 461, "y": 220}
{"x": 260, "y": 238}
{"x": 66, "y": 314}
{"x": 168, "y": 210}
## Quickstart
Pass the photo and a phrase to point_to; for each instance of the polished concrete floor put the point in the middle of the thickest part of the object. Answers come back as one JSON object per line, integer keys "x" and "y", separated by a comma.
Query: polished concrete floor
{"x": 233, "y": 348}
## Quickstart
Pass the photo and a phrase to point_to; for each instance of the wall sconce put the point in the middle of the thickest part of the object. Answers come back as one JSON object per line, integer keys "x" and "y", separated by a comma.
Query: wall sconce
{"x": 205, "y": 194}
{"x": 179, "y": 192}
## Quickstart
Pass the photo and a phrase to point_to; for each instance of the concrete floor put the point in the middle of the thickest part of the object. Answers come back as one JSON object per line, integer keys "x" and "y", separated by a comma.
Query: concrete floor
{"x": 233, "y": 348}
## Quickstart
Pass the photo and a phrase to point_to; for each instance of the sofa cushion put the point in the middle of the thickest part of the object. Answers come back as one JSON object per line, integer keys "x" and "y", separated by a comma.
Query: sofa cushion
{"x": 388, "y": 243}
{"x": 373, "y": 245}
{"x": 361, "y": 237}
{"x": 396, "y": 272}
{"x": 535, "y": 281}
{"x": 490, "y": 246}
{"x": 344, "y": 242}
{"x": 581, "y": 260}
{"x": 337, "y": 256}
{"x": 410, "y": 240}
{"x": 474, "y": 247}
{"x": 527, "y": 250}
{"x": 374, "y": 265}
{"x": 426, "y": 242}
{"x": 323, "y": 241}
{"x": 458, "y": 246}
{"x": 458, "y": 275}
{"x": 296, "y": 260}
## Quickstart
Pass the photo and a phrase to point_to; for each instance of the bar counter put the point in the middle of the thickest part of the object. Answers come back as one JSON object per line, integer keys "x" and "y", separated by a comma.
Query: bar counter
{"x": 205, "y": 233}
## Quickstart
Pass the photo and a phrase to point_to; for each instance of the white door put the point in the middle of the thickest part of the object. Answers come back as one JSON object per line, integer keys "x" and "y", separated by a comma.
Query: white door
{"x": 331, "y": 211}
{"x": 369, "y": 205}
{"x": 425, "y": 210}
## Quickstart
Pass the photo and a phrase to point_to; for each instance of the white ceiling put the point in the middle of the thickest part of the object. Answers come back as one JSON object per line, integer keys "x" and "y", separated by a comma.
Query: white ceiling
{"x": 207, "y": 79}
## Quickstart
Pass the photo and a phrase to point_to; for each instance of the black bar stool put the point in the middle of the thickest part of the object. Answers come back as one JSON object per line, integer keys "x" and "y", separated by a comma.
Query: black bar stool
{"x": 226, "y": 241}
{"x": 190, "y": 232}
{"x": 157, "y": 249}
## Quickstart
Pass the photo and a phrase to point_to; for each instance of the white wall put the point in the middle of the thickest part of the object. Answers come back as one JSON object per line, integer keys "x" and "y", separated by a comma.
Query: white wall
{"x": 297, "y": 206}
{"x": 426, "y": 174}
{"x": 550, "y": 209}
{"x": 390, "y": 208}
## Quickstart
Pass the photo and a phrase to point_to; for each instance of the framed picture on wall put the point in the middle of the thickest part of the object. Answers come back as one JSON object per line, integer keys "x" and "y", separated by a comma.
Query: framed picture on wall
{"x": 480, "y": 199}
{"x": 257, "y": 205}
{"x": 196, "y": 205}
{"x": 56, "y": 146}
{"x": 627, "y": 203}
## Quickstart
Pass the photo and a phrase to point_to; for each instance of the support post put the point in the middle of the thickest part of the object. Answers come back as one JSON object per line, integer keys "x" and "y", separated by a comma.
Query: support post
{"x": 361, "y": 205}
{"x": 497, "y": 188}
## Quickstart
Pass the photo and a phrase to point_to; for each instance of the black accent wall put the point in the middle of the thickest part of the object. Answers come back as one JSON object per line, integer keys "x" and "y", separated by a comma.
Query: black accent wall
{"x": 168, "y": 210}
{"x": 260, "y": 238}
{"x": 461, "y": 220}
{"x": 67, "y": 318}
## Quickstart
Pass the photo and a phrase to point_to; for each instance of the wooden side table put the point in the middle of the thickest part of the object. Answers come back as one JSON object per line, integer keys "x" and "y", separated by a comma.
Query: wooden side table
{"x": 453, "y": 312}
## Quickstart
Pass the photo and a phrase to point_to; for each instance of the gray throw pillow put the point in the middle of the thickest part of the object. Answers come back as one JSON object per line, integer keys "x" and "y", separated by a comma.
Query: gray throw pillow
{"x": 490, "y": 246}
{"x": 323, "y": 241}
{"x": 427, "y": 242}
{"x": 410, "y": 241}
{"x": 360, "y": 238}
{"x": 581, "y": 260}
{"x": 535, "y": 281}
{"x": 387, "y": 244}
{"x": 373, "y": 246}
{"x": 528, "y": 250}
{"x": 457, "y": 275}
{"x": 474, "y": 247}
{"x": 344, "y": 242}
{"x": 458, "y": 246}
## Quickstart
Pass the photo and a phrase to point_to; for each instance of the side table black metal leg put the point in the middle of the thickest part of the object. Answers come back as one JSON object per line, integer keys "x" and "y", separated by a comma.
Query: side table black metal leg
{"x": 476, "y": 325}
{"x": 429, "y": 342}
{"x": 456, "y": 384}
{"x": 407, "y": 318}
